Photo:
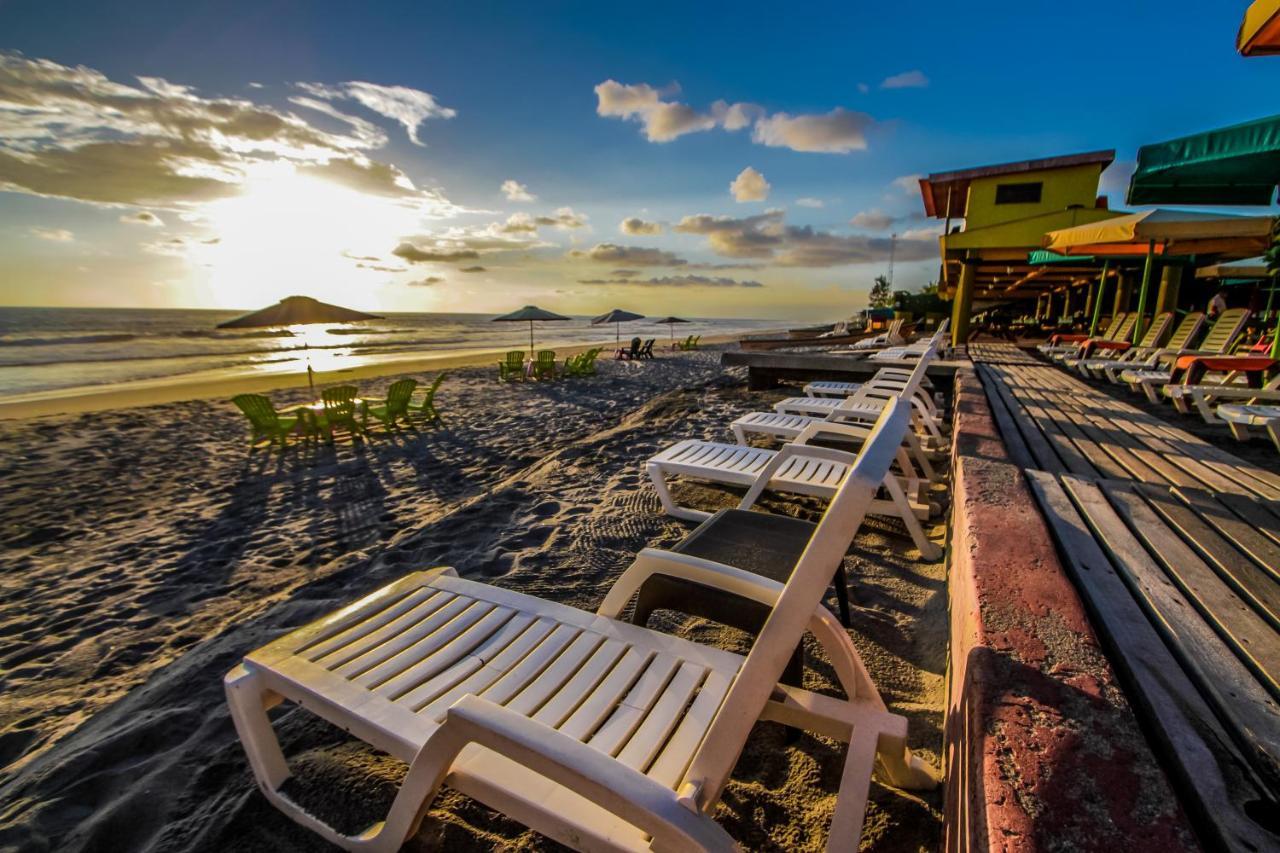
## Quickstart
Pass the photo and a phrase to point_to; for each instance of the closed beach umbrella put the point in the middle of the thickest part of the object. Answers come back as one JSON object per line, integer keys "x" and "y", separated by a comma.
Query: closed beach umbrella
{"x": 532, "y": 314}
{"x": 671, "y": 324}
{"x": 617, "y": 316}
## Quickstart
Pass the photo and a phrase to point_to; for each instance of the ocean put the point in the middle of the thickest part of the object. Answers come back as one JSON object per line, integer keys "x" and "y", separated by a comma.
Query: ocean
{"x": 57, "y": 350}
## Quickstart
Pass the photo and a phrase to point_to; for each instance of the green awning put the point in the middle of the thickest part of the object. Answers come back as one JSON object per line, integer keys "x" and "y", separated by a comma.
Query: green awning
{"x": 1039, "y": 257}
{"x": 1232, "y": 165}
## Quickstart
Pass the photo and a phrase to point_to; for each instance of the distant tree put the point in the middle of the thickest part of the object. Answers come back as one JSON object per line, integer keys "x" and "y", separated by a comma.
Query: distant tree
{"x": 881, "y": 296}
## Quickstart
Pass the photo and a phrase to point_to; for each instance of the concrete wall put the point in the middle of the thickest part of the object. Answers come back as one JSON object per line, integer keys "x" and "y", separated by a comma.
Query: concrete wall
{"x": 1042, "y": 749}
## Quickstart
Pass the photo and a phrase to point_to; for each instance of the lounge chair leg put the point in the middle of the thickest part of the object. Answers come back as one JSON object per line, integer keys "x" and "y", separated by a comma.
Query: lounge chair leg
{"x": 669, "y": 505}
{"x": 917, "y": 452}
{"x": 739, "y": 435}
{"x": 1240, "y": 431}
{"x": 929, "y": 550}
{"x": 249, "y": 702}
{"x": 1149, "y": 389}
{"x": 845, "y": 832}
{"x": 1273, "y": 430}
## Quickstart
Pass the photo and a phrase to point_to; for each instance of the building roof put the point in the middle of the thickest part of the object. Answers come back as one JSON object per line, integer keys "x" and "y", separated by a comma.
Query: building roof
{"x": 935, "y": 187}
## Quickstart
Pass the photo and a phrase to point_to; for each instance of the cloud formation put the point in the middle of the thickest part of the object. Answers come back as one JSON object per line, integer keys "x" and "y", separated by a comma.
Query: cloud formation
{"x": 640, "y": 256}
{"x": 909, "y": 184}
{"x": 410, "y": 107}
{"x": 808, "y": 201}
{"x": 673, "y": 281}
{"x": 767, "y": 237}
{"x": 56, "y": 235}
{"x": 905, "y": 80}
{"x": 636, "y": 226}
{"x": 750, "y": 185}
{"x": 70, "y": 132}
{"x": 837, "y": 132}
{"x": 142, "y": 217}
{"x": 471, "y": 269}
{"x": 516, "y": 191}
{"x": 872, "y": 220}
{"x": 433, "y": 254}
{"x": 425, "y": 282}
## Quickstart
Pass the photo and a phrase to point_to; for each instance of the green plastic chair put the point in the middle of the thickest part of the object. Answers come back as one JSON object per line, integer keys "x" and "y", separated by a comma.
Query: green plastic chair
{"x": 339, "y": 411}
{"x": 427, "y": 408}
{"x": 573, "y": 365}
{"x": 544, "y": 367}
{"x": 395, "y": 407}
{"x": 512, "y": 368}
{"x": 588, "y": 365}
{"x": 264, "y": 420}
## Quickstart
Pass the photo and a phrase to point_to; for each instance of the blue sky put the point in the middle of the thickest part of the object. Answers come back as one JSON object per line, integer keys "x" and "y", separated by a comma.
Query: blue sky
{"x": 977, "y": 83}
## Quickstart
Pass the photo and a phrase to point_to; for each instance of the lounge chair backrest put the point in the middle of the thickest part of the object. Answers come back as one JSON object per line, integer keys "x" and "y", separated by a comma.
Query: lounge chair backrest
{"x": 1225, "y": 329}
{"x": 515, "y": 358}
{"x": 1114, "y": 326}
{"x": 1159, "y": 325}
{"x": 1125, "y": 331}
{"x": 399, "y": 394}
{"x": 635, "y": 346}
{"x": 1186, "y": 331}
{"x": 546, "y": 356}
{"x": 794, "y": 608}
{"x": 340, "y": 401}
{"x": 258, "y": 410}
{"x": 882, "y": 388}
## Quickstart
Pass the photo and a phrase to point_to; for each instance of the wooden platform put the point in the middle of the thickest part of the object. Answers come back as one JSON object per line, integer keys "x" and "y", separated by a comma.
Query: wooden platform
{"x": 1174, "y": 544}
{"x": 766, "y": 369}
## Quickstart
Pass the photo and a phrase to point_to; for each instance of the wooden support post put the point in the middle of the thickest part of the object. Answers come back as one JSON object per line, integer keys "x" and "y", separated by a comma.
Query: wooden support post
{"x": 1170, "y": 282}
{"x": 962, "y": 306}
{"x": 1124, "y": 291}
{"x": 1146, "y": 286}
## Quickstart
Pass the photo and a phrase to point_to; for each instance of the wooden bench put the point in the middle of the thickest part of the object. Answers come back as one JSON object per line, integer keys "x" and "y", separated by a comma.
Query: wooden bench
{"x": 1184, "y": 587}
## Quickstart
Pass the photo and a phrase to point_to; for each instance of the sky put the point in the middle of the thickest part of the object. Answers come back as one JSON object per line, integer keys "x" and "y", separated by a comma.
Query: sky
{"x": 744, "y": 160}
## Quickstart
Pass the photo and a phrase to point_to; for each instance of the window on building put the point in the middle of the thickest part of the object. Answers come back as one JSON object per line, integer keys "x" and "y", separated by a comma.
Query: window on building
{"x": 1018, "y": 193}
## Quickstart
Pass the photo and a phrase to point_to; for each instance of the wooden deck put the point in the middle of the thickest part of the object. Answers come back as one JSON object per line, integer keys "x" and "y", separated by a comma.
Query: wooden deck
{"x": 1175, "y": 546}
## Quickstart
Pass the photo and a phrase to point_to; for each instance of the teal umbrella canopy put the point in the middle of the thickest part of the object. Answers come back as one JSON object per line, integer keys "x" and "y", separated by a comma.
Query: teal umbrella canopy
{"x": 1231, "y": 165}
{"x": 530, "y": 314}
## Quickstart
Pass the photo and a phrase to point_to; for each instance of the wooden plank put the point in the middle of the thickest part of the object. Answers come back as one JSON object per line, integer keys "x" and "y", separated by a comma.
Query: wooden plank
{"x": 1205, "y": 766}
{"x": 1015, "y": 444}
{"x": 1259, "y": 514}
{"x": 1045, "y": 452}
{"x": 1245, "y": 538}
{"x": 1248, "y": 581}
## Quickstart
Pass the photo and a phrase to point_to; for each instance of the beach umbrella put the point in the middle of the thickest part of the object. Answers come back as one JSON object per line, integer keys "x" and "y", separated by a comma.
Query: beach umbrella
{"x": 1160, "y": 232}
{"x": 617, "y": 316}
{"x": 670, "y": 323}
{"x": 1260, "y": 30}
{"x": 531, "y": 314}
{"x": 299, "y": 311}
{"x": 1237, "y": 165}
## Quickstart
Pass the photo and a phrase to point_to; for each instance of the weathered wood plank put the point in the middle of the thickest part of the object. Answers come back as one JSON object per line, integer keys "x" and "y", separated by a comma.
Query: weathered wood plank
{"x": 1205, "y": 764}
{"x": 1044, "y": 454}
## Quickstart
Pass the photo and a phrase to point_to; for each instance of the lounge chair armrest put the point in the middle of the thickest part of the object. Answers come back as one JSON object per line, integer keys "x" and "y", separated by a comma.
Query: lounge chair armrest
{"x": 790, "y": 451}
{"x": 602, "y": 779}
{"x": 653, "y": 561}
{"x": 831, "y": 428}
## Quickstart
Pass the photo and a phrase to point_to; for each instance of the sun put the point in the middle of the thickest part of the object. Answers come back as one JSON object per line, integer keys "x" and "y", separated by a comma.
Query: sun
{"x": 292, "y": 234}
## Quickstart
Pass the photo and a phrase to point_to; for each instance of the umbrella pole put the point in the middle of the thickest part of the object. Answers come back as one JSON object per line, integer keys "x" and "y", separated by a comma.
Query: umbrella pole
{"x": 531, "y": 340}
{"x": 617, "y": 334}
{"x": 1146, "y": 284}
{"x": 1097, "y": 300}
{"x": 1275, "y": 336}
{"x": 311, "y": 376}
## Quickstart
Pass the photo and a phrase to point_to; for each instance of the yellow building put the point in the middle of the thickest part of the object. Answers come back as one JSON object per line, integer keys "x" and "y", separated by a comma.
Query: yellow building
{"x": 1007, "y": 209}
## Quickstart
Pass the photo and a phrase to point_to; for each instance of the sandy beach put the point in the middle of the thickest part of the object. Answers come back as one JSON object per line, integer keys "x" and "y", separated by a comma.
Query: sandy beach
{"x": 145, "y": 551}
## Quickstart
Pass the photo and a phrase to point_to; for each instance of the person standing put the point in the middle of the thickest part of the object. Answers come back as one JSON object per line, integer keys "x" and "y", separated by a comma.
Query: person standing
{"x": 1217, "y": 304}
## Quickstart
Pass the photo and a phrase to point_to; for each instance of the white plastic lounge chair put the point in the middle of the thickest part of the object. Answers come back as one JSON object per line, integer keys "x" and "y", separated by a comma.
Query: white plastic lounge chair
{"x": 867, "y": 400}
{"x": 1151, "y": 339}
{"x": 890, "y": 337}
{"x": 1109, "y": 366}
{"x": 1204, "y": 397}
{"x": 915, "y": 349}
{"x": 597, "y": 733}
{"x": 1222, "y": 335}
{"x": 803, "y": 470}
{"x": 1048, "y": 348}
{"x": 1241, "y": 416}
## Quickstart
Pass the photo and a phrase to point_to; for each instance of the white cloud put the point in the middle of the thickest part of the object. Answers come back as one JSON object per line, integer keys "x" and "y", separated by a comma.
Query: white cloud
{"x": 909, "y": 184}
{"x": 639, "y": 256}
{"x": 750, "y": 185}
{"x": 410, "y": 107}
{"x": 516, "y": 191}
{"x": 864, "y": 88}
{"x": 674, "y": 281}
{"x": 634, "y": 225}
{"x": 142, "y": 217}
{"x": 873, "y": 220}
{"x": 905, "y": 80}
{"x": 57, "y": 235}
{"x": 428, "y": 281}
{"x": 838, "y": 132}
{"x": 808, "y": 201}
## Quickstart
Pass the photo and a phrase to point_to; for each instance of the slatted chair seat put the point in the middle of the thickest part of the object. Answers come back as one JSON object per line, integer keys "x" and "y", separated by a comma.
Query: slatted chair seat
{"x": 814, "y": 475}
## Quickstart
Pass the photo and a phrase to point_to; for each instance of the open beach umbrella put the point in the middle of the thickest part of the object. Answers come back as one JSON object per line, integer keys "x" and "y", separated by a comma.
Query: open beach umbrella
{"x": 299, "y": 311}
{"x": 1260, "y": 30}
{"x": 617, "y": 316}
{"x": 531, "y": 313}
{"x": 1162, "y": 232}
{"x": 671, "y": 325}
{"x": 1238, "y": 165}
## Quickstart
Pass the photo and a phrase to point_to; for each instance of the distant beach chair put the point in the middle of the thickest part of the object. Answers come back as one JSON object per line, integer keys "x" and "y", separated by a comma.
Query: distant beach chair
{"x": 1222, "y": 334}
{"x": 1241, "y": 416}
{"x": 395, "y": 407}
{"x": 544, "y": 366}
{"x": 512, "y": 368}
{"x": 632, "y": 353}
{"x": 592, "y": 731}
{"x": 585, "y": 365}
{"x": 338, "y": 412}
{"x": 264, "y": 421}
{"x": 427, "y": 407}
{"x": 1142, "y": 358}
{"x": 646, "y": 351}
{"x": 686, "y": 344}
